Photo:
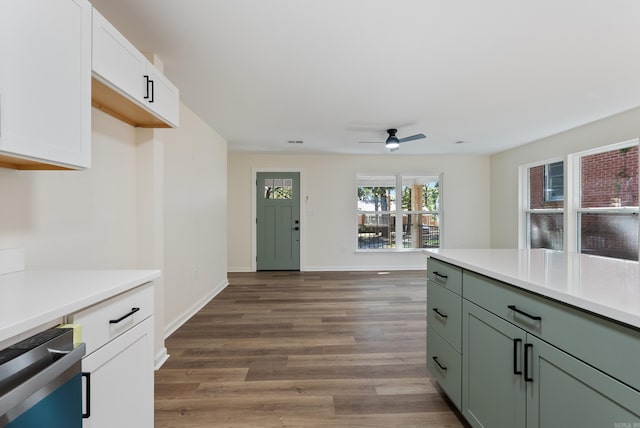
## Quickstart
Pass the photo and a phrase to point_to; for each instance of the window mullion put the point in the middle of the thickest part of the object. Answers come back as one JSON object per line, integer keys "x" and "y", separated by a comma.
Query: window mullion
{"x": 399, "y": 218}
{"x": 572, "y": 203}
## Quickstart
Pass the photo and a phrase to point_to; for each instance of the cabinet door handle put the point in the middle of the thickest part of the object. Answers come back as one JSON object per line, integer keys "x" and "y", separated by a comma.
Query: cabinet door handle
{"x": 516, "y": 342}
{"x": 133, "y": 311}
{"x": 440, "y": 313}
{"x": 438, "y": 363}
{"x": 87, "y": 376}
{"x": 153, "y": 92}
{"x": 533, "y": 317}
{"x": 441, "y": 276}
{"x": 527, "y": 377}
{"x": 147, "y": 80}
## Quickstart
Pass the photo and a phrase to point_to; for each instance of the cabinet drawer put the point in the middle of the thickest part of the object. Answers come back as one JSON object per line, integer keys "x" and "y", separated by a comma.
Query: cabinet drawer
{"x": 447, "y": 275}
{"x": 99, "y": 324}
{"x": 445, "y": 364}
{"x": 444, "y": 314}
{"x": 608, "y": 346}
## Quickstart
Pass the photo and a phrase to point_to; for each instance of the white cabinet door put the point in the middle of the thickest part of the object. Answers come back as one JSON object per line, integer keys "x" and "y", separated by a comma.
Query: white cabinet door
{"x": 45, "y": 81}
{"x": 121, "y": 380}
{"x": 163, "y": 96}
{"x": 116, "y": 61}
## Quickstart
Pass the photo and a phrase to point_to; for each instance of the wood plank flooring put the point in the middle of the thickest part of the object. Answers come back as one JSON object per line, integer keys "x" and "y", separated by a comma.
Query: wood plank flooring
{"x": 291, "y": 349}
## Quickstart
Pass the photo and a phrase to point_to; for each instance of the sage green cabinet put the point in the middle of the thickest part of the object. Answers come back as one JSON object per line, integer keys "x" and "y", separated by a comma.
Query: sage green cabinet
{"x": 513, "y": 379}
{"x": 493, "y": 389}
{"x": 565, "y": 392}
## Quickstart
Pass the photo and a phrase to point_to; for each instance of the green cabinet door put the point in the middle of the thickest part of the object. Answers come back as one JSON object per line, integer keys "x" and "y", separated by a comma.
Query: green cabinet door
{"x": 565, "y": 392}
{"x": 493, "y": 388}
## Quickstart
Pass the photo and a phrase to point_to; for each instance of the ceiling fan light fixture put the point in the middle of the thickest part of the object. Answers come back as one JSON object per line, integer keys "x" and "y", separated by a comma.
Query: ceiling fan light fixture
{"x": 392, "y": 143}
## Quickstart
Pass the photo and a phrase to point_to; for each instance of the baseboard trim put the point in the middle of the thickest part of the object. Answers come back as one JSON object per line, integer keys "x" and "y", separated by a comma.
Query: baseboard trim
{"x": 362, "y": 268}
{"x": 342, "y": 268}
{"x": 161, "y": 358}
{"x": 240, "y": 269}
{"x": 174, "y": 325}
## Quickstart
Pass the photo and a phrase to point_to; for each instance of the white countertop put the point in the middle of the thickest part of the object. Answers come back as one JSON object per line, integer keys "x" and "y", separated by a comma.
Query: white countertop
{"x": 605, "y": 286}
{"x": 29, "y": 299}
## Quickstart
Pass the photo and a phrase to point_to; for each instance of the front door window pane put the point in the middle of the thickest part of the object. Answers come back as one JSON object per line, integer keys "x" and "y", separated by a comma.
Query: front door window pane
{"x": 278, "y": 188}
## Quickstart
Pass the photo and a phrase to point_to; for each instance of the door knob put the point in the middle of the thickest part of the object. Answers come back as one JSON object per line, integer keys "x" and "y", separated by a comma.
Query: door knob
{"x": 296, "y": 228}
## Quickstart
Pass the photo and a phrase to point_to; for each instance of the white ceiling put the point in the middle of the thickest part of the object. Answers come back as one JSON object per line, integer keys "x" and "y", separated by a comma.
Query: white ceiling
{"x": 493, "y": 73}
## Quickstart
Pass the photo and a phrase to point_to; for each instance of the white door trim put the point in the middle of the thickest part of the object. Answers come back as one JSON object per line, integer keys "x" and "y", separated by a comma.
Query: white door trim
{"x": 254, "y": 213}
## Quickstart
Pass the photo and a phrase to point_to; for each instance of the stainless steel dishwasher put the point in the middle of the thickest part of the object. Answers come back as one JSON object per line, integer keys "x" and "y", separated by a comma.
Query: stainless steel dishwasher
{"x": 41, "y": 382}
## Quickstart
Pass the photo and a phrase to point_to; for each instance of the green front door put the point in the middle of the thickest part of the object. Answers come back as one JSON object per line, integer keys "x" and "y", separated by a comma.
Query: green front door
{"x": 278, "y": 221}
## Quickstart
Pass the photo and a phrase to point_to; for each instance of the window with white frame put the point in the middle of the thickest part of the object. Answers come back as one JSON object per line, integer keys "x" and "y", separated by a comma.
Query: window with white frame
{"x": 544, "y": 205}
{"x": 606, "y": 201}
{"x": 398, "y": 212}
{"x": 601, "y": 203}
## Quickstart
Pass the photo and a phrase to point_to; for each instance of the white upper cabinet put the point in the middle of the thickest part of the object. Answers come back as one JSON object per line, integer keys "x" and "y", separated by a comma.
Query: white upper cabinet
{"x": 45, "y": 84}
{"x": 126, "y": 85}
{"x": 115, "y": 60}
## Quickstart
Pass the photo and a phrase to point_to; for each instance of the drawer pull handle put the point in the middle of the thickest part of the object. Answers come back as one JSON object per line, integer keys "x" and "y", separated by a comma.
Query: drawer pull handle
{"x": 439, "y": 275}
{"x": 438, "y": 363}
{"x": 440, "y": 313}
{"x": 516, "y": 342}
{"x": 133, "y": 311}
{"x": 527, "y": 377}
{"x": 87, "y": 399}
{"x": 515, "y": 309}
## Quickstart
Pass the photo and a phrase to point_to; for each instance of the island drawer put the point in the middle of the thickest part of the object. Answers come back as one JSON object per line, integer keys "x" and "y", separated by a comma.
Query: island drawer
{"x": 444, "y": 314}
{"x": 602, "y": 343}
{"x": 107, "y": 320}
{"x": 445, "y": 365}
{"x": 446, "y": 275}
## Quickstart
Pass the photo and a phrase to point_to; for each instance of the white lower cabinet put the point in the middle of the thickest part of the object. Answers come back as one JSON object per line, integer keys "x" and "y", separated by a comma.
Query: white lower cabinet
{"x": 118, "y": 368}
{"x": 121, "y": 381}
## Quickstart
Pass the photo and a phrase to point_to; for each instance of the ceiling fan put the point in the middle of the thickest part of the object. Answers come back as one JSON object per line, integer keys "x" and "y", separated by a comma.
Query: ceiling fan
{"x": 393, "y": 142}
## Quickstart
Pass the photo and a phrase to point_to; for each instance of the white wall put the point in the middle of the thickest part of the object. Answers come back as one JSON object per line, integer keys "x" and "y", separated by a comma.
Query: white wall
{"x": 195, "y": 217}
{"x": 504, "y": 166}
{"x": 153, "y": 199}
{"x": 329, "y": 214}
{"x": 76, "y": 219}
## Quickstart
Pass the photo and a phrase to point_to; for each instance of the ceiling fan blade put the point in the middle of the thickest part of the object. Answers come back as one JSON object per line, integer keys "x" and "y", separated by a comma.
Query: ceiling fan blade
{"x": 411, "y": 138}
{"x": 370, "y": 142}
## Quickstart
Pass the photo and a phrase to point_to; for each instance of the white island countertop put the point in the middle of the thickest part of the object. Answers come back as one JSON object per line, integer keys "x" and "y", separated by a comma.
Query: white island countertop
{"x": 604, "y": 286}
{"x": 30, "y": 299}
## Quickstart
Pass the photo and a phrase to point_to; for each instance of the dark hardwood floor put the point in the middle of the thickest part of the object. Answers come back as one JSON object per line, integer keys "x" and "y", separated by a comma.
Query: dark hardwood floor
{"x": 291, "y": 349}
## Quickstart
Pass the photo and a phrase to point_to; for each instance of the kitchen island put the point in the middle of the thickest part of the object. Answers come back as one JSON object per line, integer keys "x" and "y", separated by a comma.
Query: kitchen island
{"x": 535, "y": 338}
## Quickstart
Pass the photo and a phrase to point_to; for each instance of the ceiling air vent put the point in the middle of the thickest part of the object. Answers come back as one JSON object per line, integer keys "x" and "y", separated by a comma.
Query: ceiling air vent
{"x": 294, "y": 141}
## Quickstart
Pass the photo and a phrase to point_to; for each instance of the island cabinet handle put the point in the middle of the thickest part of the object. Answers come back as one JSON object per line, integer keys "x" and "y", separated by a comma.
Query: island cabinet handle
{"x": 438, "y": 363}
{"x": 533, "y": 317}
{"x": 439, "y": 275}
{"x": 133, "y": 311}
{"x": 440, "y": 313}
{"x": 527, "y": 377}
{"x": 516, "y": 342}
